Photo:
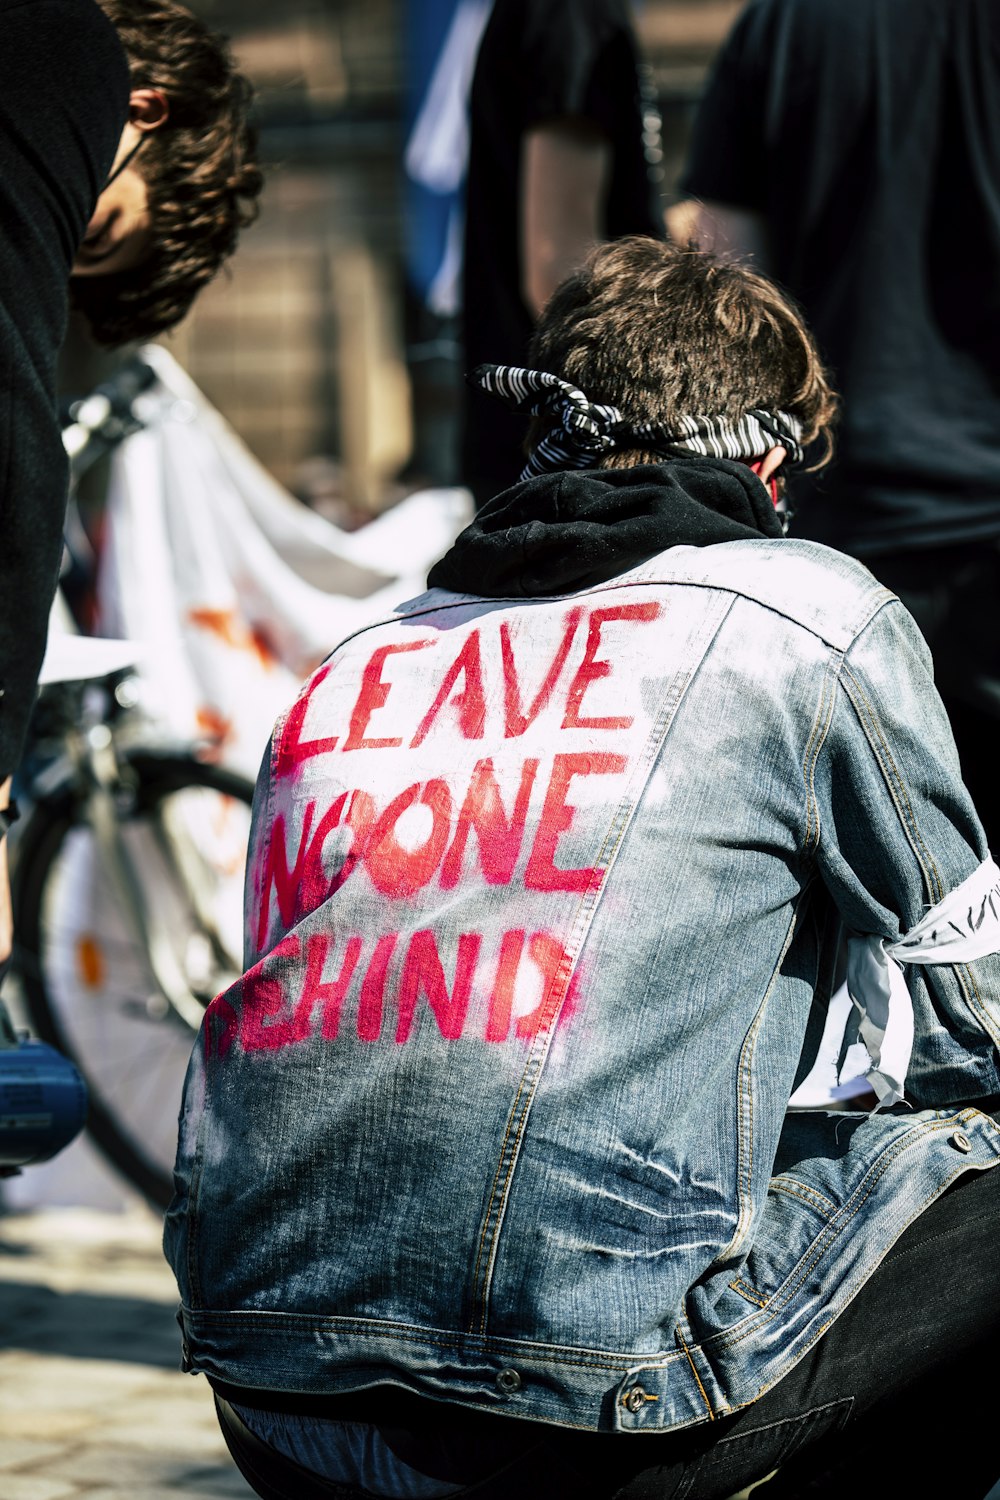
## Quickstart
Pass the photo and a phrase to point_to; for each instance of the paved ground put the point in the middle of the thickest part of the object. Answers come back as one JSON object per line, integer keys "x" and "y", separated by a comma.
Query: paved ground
{"x": 92, "y": 1402}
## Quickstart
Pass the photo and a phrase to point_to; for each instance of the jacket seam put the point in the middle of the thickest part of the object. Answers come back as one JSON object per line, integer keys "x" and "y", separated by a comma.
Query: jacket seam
{"x": 781, "y": 1296}
{"x": 583, "y": 918}
{"x": 745, "y": 1290}
{"x": 592, "y": 897}
{"x": 509, "y": 1348}
{"x": 808, "y": 1195}
{"x": 875, "y": 600}
{"x": 694, "y": 1371}
{"x": 963, "y": 973}
{"x": 824, "y": 1328}
{"x": 875, "y": 735}
{"x": 536, "y": 1062}
{"x": 725, "y": 1342}
{"x": 744, "y": 1144}
{"x": 814, "y": 745}
{"x": 779, "y": 1299}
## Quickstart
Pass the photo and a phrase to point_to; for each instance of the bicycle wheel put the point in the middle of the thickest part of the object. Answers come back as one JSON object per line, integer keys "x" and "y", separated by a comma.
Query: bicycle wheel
{"x": 85, "y": 966}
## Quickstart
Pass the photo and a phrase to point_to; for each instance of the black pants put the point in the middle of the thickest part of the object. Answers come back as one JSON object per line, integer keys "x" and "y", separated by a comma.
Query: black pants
{"x": 902, "y": 1387}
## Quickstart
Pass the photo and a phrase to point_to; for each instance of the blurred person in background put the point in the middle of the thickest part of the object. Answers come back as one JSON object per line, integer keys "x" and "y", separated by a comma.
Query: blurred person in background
{"x": 851, "y": 149}
{"x": 564, "y": 152}
{"x": 486, "y": 1183}
{"x": 126, "y": 172}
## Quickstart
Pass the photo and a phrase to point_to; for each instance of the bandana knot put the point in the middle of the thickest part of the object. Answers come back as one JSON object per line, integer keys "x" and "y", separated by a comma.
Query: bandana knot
{"x": 583, "y": 431}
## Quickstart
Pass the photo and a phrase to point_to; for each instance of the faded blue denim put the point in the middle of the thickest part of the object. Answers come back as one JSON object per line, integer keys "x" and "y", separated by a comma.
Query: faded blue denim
{"x": 601, "y": 1216}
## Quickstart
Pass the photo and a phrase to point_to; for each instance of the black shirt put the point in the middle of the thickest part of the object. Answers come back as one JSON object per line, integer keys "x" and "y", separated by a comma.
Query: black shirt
{"x": 542, "y": 60}
{"x": 63, "y": 105}
{"x": 867, "y": 132}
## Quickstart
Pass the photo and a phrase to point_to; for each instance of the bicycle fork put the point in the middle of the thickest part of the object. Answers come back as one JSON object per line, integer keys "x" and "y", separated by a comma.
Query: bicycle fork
{"x": 103, "y": 818}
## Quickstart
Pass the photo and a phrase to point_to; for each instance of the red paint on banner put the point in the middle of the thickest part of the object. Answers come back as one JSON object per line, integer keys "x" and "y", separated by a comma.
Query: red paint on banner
{"x": 214, "y": 727}
{"x": 516, "y": 720}
{"x": 542, "y": 873}
{"x": 498, "y": 835}
{"x": 372, "y": 695}
{"x": 424, "y": 972}
{"x": 592, "y": 669}
{"x": 235, "y": 631}
{"x": 470, "y": 703}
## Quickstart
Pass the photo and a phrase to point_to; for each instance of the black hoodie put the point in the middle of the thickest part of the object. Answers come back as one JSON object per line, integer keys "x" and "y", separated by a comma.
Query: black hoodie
{"x": 64, "y": 86}
{"x": 568, "y": 531}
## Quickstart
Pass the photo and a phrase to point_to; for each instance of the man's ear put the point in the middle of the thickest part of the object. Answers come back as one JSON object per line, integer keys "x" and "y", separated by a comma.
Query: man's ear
{"x": 148, "y": 109}
{"x": 770, "y": 463}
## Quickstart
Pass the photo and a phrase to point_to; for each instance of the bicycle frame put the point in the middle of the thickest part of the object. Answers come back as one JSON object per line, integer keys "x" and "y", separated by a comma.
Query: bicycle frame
{"x": 89, "y": 770}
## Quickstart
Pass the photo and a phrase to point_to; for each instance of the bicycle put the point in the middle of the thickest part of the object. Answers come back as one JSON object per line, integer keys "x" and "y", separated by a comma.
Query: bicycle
{"x": 127, "y": 873}
{"x": 127, "y": 883}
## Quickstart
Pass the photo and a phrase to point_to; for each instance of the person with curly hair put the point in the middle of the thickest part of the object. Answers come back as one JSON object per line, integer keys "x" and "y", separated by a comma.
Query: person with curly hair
{"x": 489, "y": 1180}
{"x": 185, "y": 181}
{"x": 126, "y": 173}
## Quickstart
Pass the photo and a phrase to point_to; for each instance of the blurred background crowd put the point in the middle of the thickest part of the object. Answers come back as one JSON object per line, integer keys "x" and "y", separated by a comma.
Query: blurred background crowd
{"x": 332, "y": 345}
{"x": 235, "y": 554}
{"x": 433, "y": 169}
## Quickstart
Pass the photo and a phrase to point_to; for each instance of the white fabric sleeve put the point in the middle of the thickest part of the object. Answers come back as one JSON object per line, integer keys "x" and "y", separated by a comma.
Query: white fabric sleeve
{"x": 963, "y": 926}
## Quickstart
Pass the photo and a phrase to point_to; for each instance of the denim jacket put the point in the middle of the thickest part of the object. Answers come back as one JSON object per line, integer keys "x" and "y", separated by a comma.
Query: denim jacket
{"x": 543, "y": 909}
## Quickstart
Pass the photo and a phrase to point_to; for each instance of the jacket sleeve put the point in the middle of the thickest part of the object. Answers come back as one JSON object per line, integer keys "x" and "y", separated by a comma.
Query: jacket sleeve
{"x": 63, "y": 103}
{"x": 897, "y": 832}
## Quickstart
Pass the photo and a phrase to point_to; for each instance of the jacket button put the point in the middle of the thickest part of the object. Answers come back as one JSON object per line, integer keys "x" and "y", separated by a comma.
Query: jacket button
{"x": 635, "y": 1399}
{"x": 508, "y": 1381}
{"x": 961, "y": 1141}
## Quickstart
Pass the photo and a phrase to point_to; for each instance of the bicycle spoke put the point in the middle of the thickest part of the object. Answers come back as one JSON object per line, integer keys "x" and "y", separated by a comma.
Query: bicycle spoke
{"x": 87, "y": 970}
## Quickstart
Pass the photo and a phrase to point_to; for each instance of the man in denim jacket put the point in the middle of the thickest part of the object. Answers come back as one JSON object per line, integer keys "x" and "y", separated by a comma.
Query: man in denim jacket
{"x": 487, "y": 1181}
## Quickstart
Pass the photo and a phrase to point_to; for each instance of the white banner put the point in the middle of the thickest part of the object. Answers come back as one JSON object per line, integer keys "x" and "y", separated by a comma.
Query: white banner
{"x": 233, "y": 589}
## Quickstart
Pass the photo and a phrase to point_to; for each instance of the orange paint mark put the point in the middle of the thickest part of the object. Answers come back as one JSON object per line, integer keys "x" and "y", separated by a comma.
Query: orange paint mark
{"x": 262, "y": 644}
{"x": 221, "y": 622}
{"x": 236, "y": 632}
{"x": 213, "y": 726}
{"x": 90, "y": 961}
{"x": 230, "y": 845}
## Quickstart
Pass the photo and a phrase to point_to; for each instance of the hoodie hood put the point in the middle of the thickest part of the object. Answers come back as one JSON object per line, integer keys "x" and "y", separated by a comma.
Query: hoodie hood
{"x": 567, "y": 531}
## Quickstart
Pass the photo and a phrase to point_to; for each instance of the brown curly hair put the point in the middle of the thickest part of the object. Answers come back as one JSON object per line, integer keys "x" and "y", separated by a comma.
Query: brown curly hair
{"x": 199, "y": 169}
{"x": 663, "y": 332}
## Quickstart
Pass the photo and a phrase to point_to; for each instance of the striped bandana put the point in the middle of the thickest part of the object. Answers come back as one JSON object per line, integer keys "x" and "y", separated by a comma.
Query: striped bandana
{"x": 584, "y": 430}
